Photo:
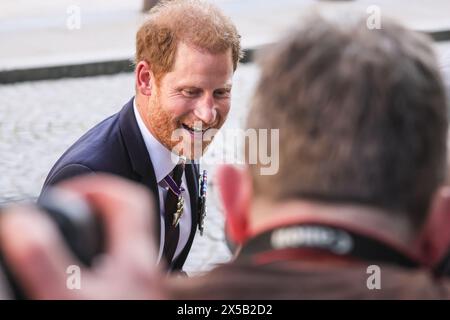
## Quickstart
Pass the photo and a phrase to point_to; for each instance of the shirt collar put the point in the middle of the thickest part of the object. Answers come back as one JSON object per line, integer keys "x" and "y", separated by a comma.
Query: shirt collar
{"x": 160, "y": 156}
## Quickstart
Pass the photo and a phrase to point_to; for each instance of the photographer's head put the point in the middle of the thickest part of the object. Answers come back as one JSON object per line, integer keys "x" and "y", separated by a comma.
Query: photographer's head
{"x": 362, "y": 118}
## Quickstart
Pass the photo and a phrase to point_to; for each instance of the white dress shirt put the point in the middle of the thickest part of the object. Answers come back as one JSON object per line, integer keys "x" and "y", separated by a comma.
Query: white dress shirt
{"x": 163, "y": 165}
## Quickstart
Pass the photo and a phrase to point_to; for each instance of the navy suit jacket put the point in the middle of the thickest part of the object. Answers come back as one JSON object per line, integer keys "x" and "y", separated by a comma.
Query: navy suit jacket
{"x": 116, "y": 146}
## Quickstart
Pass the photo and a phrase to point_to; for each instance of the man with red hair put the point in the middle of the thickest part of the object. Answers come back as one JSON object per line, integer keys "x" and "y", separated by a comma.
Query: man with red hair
{"x": 186, "y": 54}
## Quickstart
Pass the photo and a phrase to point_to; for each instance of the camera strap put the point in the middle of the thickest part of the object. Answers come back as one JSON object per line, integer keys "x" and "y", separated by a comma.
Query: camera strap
{"x": 293, "y": 239}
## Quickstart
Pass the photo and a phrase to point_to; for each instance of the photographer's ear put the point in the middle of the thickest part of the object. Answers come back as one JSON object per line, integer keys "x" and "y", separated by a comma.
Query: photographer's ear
{"x": 235, "y": 190}
{"x": 434, "y": 241}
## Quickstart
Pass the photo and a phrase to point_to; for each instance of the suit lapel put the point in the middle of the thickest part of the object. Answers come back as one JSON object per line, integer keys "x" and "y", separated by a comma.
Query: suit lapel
{"x": 192, "y": 181}
{"x": 139, "y": 157}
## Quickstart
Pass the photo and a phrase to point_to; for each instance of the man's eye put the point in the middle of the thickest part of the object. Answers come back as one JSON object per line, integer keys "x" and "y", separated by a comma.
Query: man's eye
{"x": 222, "y": 93}
{"x": 190, "y": 92}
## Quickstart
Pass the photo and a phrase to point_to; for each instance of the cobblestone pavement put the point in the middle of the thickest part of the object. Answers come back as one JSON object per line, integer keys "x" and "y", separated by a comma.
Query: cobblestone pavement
{"x": 39, "y": 120}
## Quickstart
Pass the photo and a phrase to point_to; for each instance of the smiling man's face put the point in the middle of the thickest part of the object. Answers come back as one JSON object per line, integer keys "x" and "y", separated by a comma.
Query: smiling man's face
{"x": 193, "y": 97}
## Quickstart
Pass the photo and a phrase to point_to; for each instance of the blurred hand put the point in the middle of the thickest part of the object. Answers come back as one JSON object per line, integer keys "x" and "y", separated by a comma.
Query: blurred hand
{"x": 39, "y": 257}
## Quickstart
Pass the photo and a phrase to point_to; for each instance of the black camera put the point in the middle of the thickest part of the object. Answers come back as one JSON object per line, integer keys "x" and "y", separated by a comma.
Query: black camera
{"x": 78, "y": 225}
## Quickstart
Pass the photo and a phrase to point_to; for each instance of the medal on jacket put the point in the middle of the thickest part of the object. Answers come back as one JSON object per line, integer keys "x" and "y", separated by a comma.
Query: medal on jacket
{"x": 203, "y": 185}
{"x": 177, "y": 190}
{"x": 177, "y": 215}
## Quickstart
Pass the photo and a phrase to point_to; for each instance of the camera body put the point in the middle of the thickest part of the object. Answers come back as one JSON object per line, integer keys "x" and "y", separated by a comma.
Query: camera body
{"x": 78, "y": 225}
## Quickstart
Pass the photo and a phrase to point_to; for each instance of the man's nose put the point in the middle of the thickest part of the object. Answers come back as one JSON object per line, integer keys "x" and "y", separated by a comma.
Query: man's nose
{"x": 206, "y": 111}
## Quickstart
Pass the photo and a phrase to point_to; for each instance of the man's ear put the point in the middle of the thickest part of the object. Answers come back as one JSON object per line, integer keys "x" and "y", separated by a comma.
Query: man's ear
{"x": 434, "y": 240}
{"x": 144, "y": 78}
{"x": 235, "y": 188}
